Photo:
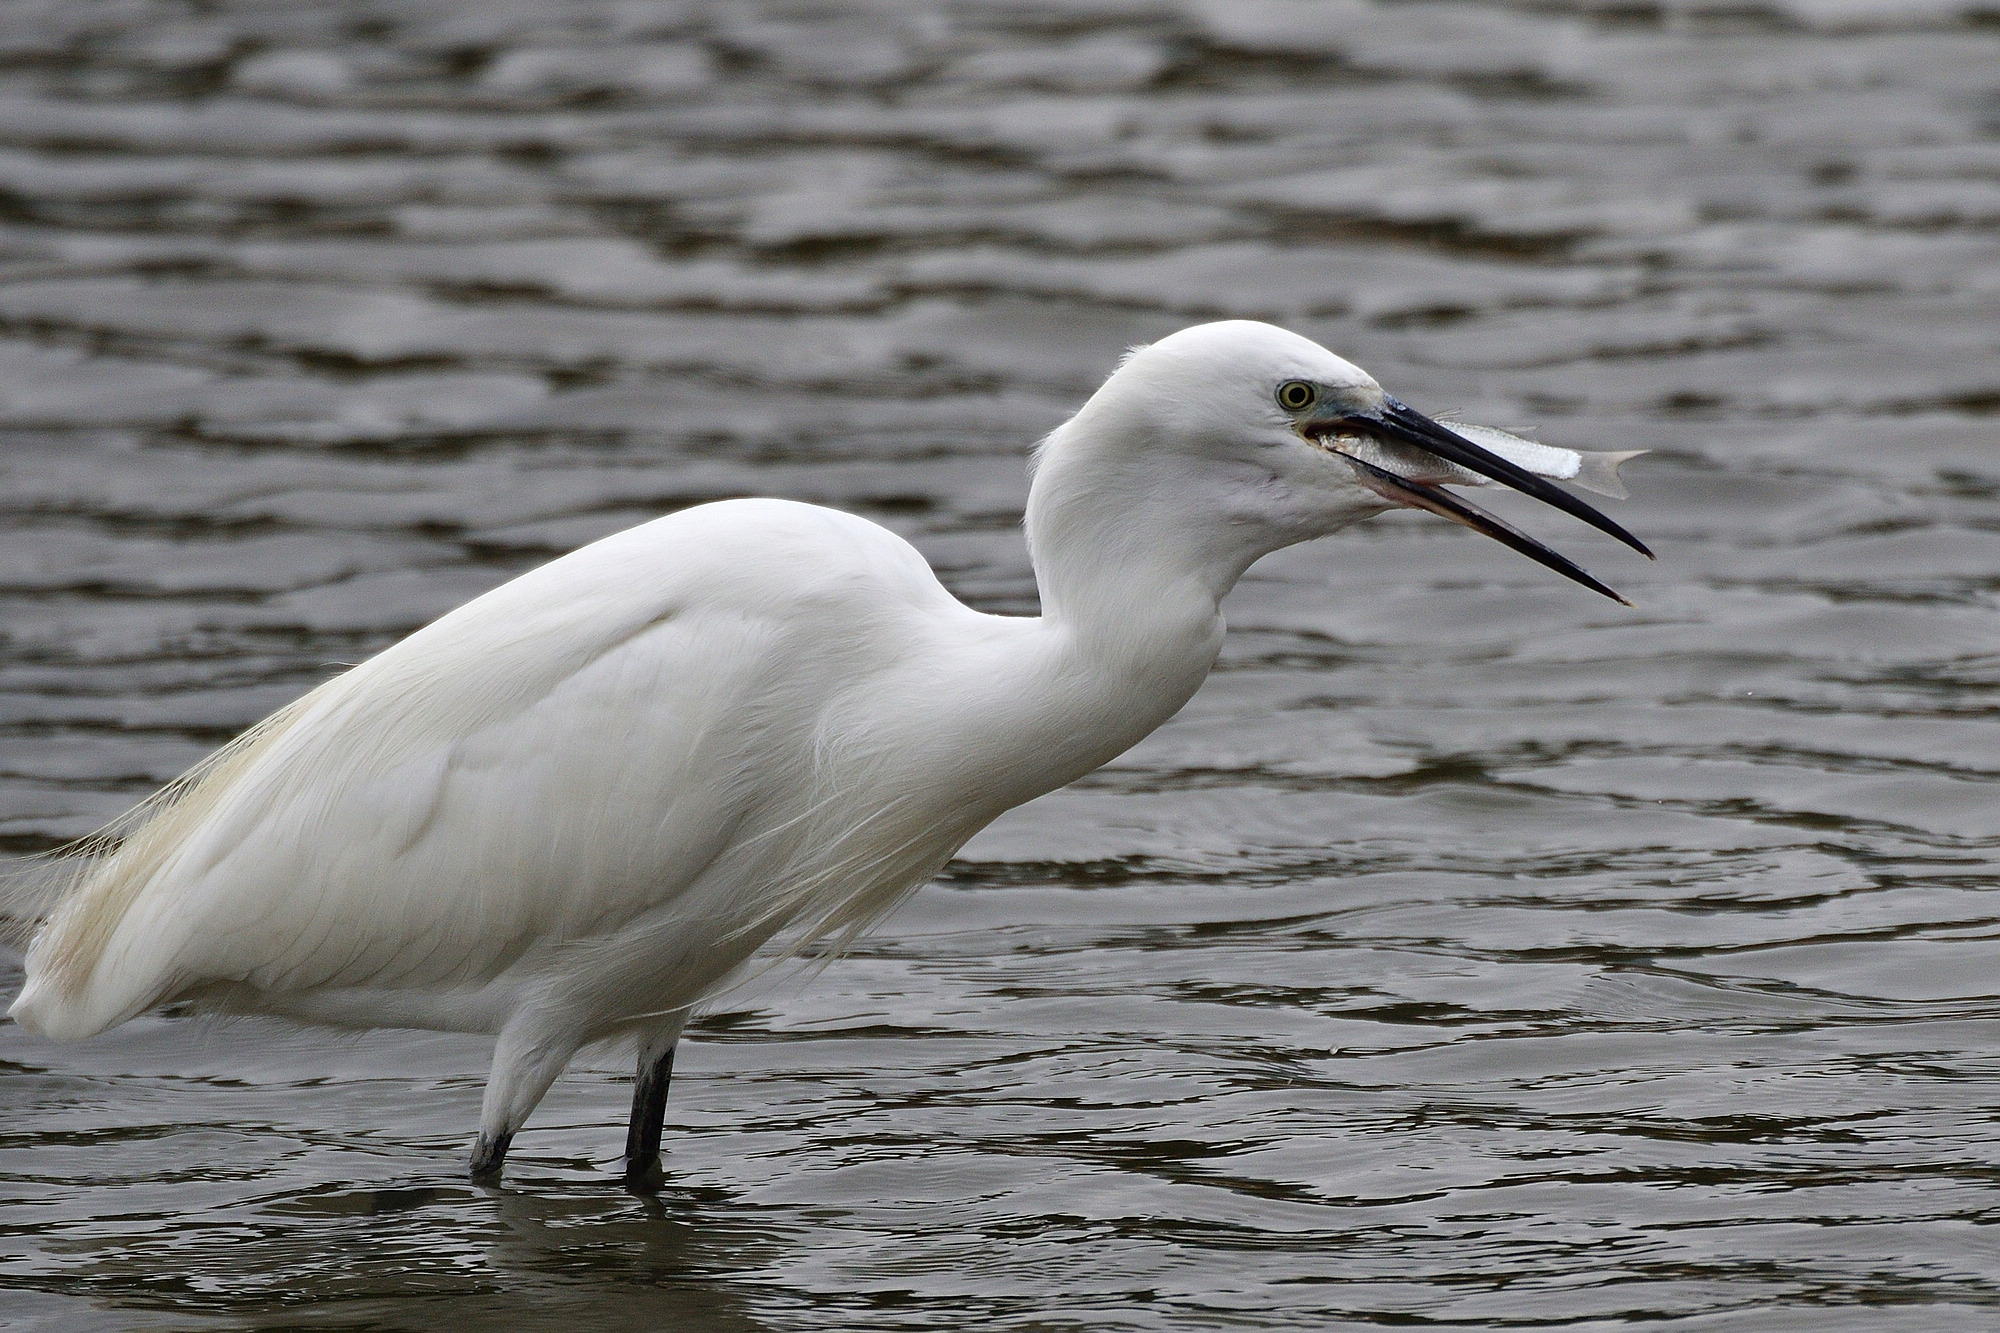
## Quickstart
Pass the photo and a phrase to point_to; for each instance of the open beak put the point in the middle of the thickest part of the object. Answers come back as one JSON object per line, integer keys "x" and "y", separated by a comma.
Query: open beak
{"x": 1396, "y": 423}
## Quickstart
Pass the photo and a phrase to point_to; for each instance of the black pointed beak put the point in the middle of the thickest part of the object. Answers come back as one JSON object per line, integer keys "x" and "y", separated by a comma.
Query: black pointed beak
{"x": 1397, "y": 421}
{"x": 1401, "y": 424}
{"x": 1460, "y": 510}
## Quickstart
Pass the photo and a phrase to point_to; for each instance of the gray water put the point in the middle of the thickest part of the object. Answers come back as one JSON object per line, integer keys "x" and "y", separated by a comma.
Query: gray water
{"x": 1471, "y": 953}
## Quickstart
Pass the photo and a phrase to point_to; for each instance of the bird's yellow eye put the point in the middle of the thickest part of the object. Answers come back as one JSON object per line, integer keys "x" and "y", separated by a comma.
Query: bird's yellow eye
{"x": 1295, "y": 394}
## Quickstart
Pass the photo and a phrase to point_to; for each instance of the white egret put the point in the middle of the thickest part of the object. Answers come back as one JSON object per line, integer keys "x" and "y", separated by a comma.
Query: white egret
{"x": 575, "y": 806}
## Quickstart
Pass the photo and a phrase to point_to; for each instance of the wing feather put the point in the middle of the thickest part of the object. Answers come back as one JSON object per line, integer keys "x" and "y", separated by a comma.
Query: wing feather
{"x": 561, "y": 755}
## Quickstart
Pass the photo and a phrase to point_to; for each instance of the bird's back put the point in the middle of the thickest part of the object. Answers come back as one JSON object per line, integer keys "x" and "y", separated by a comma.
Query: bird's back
{"x": 534, "y": 771}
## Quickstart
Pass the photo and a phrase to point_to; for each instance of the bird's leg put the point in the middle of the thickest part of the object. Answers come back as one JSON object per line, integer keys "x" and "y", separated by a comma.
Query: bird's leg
{"x": 643, "y": 1174}
{"x": 649, "y": 1109}
{"x": 530, "y": 1053}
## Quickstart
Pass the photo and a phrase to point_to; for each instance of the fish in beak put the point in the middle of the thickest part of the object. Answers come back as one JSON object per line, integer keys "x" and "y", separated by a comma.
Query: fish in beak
{"x": 1378, "y": 443}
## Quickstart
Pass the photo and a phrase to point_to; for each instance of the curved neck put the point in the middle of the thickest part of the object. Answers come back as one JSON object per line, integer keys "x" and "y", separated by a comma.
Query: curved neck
{"x": 1134, "y": 547}
{"x": 1131, "y": 619}
{"x": 1126, "y": 540}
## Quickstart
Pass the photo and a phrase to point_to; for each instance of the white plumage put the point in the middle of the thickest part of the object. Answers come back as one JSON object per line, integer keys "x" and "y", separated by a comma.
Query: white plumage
{"x": 573, "y": 807}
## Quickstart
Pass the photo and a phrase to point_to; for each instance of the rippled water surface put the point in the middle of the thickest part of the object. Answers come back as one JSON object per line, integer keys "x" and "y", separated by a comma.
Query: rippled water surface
{"x": 1471, "y": 953}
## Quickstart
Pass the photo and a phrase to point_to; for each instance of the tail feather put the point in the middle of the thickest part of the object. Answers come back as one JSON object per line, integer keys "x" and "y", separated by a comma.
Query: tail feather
{"x": 66, "y": 905}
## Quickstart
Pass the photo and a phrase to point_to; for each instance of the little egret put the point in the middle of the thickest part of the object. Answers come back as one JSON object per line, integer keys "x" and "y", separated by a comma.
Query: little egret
{"x": 573, "y": 807}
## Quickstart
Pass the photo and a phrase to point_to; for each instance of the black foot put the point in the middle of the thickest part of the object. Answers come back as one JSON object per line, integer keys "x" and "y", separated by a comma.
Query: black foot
{"x": 644, "y": 1177}
{"x": 489, "y": 1155}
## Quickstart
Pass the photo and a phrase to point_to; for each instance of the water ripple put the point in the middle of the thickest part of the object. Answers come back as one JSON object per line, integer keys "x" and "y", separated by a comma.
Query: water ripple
{"x": 1467, "y": 954}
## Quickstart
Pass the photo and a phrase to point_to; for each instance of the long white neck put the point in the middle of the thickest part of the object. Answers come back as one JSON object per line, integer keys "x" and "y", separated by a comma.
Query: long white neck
{"x": 1132, "y": 575}
{"x": 1147, "y": 506}
{"x": 1129, "y": 537}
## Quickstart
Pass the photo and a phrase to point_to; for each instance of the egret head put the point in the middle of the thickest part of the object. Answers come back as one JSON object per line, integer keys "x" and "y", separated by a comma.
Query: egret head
{"x": 1271, "y": 439}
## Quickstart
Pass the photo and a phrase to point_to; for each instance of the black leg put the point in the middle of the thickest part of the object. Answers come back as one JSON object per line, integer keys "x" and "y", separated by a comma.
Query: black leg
{"x": 649, "y": 1110}
{"x": 488, "y": 1156}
